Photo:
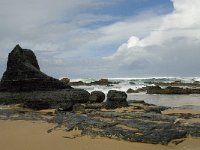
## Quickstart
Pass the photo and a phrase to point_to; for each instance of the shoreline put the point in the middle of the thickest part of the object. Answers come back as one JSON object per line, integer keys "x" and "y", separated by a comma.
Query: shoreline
{"x": 23, "y": 135}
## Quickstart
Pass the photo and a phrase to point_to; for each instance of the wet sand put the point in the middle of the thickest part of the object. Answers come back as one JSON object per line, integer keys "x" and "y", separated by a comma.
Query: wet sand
{"x": 180, "y": 110}
{"x": 28, "y": 135}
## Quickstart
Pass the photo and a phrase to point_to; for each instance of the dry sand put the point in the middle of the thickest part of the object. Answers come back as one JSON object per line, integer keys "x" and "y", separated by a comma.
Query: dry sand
{"x": 27, "y": 135}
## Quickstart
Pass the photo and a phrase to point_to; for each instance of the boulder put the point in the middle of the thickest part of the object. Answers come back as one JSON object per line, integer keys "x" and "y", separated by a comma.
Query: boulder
{"x": 23, "y": 74}
{"x": 116, "y": 99}
{"x": 73, "y": 97}
{"x": 97, "y": 97}
{"x": 77, "y": 96}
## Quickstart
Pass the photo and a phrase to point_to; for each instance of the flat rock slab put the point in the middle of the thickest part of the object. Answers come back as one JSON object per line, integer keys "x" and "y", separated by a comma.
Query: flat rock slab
{"x": 154, "y": 128}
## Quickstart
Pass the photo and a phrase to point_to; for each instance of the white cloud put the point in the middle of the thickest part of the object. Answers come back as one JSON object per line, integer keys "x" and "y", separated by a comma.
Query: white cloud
{"x": 178, "y": 34}
{"x": 69, "y": 38}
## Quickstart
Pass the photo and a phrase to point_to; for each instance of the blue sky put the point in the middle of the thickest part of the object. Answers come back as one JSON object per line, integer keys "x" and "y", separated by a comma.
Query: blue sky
{"x": 125, "y": 8}
{"x": 116, "y": 38}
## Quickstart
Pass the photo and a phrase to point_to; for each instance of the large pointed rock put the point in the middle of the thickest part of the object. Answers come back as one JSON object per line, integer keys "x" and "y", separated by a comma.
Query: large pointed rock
{"x": 23, "y": 74}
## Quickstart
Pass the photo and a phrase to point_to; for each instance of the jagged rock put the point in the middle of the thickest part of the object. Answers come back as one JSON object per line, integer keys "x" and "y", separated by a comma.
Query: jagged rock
{"x": 23, "y": 74}
{"x": 97, "y": 97}
{"x": 116, "y": 99}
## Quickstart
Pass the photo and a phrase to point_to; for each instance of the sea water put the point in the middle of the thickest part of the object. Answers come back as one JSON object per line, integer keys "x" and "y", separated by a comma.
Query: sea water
{"x": 123, "y": 84}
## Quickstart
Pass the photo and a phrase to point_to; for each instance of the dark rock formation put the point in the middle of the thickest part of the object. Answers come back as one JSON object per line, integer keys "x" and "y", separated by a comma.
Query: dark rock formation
{"x": 171, "y": 90}
{"x": 177, "y": 83}
{"x": 67, "y": 106}
{"x": 65, "y": 80}
{"x": 73, "y": 97}
{"x": 77, "y": 96}
{"x": 116, "y": 99}
{"x": 145, "y": 127}
{"x": 143, "y": 89}
{"x": 79, "y": 108}
{"x": 78, "y": 83}
{"x": 37, "y": 104}
{"x": 23, "y": 74}
{"x": 101, "y": 82}
{"x": 131, "y": 91}
{"x": 97, "y": 97}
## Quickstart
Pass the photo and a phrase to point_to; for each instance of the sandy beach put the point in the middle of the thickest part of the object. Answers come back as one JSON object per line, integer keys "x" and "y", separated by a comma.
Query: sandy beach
{"x": 28, "y": 135}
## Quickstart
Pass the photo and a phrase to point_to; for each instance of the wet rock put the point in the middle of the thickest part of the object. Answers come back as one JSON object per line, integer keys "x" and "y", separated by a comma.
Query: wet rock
{"x": 152, "y": 109}
{"x": 131, "y": 91}
{"x": 37, "y": 104}
{"x": 140, "y": 102}
{"x": 146, "y": 127}
{"x": 132, "y": 83}
{"x": 97, "y": 97}
{"x": 143, "y": 89}
{"x": 101, "y": 82}
{"x": 178, "y": 83}
{"x": 23, "y": 74}
{"x": 77, "y": 96}
{"x": 171, "y": 90}
{"x": 116, "y": 99}
{"x": 67, "y": 106}
{"x": 79, "y": 108}
{"x": 94, "y": 106}
{"x": 78, "y": 83}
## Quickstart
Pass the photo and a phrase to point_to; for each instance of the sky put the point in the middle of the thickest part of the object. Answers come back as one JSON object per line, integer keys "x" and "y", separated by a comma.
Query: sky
{"x": 101, "y": 38}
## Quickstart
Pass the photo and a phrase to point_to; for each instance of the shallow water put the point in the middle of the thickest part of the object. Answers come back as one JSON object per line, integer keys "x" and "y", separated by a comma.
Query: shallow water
{"x": 192, "y": 101}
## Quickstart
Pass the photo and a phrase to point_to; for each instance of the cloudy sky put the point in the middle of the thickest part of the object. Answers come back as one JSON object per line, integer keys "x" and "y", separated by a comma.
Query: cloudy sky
{"x": 101, "y": 38}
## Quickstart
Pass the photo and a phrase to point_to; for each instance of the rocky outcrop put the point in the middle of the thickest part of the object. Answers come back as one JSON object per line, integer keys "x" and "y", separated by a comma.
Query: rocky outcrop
{"x": 79, "y": 83}
{"x": 101, "y": 82}
{"x": 133, "y": 126}
{"x": 131, "y": 91}
{"x": 23, "y": 74}
{"x": 143, "y": 89}
{"x": 176, "y": 83}
{"x": 36, "y": 104}
{"x": 97, "y": 97}
{"x": 65, "y": 80}
{"x": 77, "y": 96}
{"x": 116, "y": 99}
{"x": 171, "y": 90}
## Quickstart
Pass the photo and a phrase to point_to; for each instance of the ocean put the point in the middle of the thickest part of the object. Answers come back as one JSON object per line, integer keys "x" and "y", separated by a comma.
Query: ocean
{"x": 123, "y": 84}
